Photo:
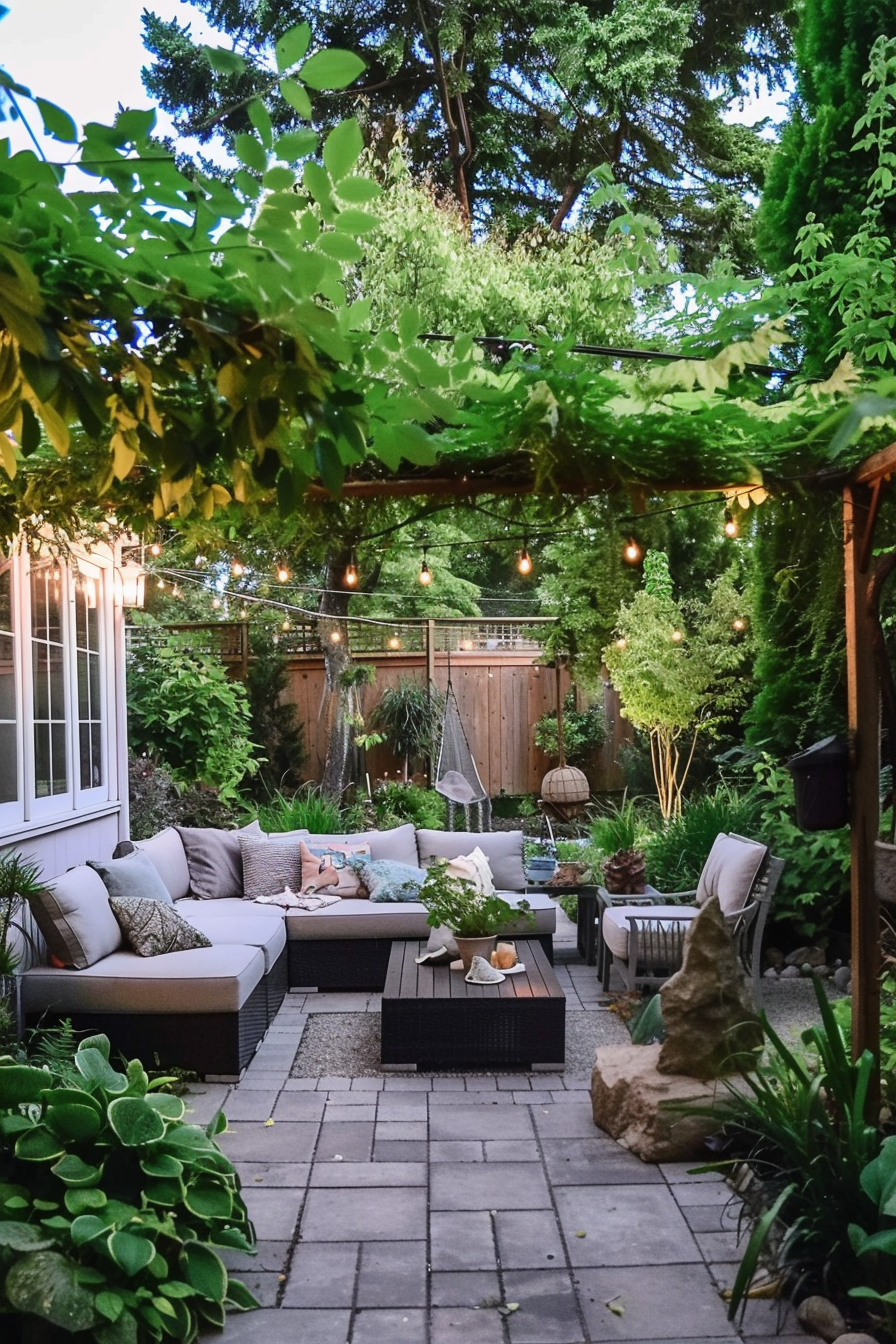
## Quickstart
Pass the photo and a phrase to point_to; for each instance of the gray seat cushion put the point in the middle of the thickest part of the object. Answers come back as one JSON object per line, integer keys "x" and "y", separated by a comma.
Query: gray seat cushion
{"x": 503, "y": 849}
{"x": 242, "y": 929}
{"x": 359, "y": 919}
{"x": 204, "y": 980}
{"x": 615, "y": 925}
{"x": 75, "y": 918}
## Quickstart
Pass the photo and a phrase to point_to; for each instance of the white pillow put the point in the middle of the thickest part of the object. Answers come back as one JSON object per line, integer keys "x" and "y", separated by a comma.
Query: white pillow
{"x": 730, "y": 871}
{"x": 473, "y": 867}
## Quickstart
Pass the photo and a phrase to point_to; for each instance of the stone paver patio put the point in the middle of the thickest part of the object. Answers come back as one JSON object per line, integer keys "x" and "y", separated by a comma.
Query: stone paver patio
{"x": 411, "y": 1208}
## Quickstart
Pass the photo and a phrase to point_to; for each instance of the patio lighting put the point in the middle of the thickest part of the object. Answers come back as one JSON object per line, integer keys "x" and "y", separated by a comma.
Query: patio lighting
{"x": 282, "y": 573}
{"x": 394, "y": 642}
{"x": 350, "y": 577}
{"x": 216, "y": 603}
{"x": 335, "y": 636}
{"x": 677, "y": 636}
{"x": 286, "y": 624}
{"x": 425, "y": 575}
{"x": 738, "y": 624}
{"x": 632, "y": 552}
{"x": 156, "y": 549}
{"x": 731, "y": 528}
{"x": 161, "y": 584}
{"x": 621, "y": 643}
{"x": 237, "y": 569}
{"x": 524, "y": 563}
{"x": 133, "y": 585}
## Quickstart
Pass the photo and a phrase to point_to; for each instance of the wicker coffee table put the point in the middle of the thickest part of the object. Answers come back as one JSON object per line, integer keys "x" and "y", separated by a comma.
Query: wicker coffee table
{"x": 432, "y": 1017}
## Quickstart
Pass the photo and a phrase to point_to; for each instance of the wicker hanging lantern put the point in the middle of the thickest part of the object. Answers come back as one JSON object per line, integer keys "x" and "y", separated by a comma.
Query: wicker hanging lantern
{"x": 565, "y": 789}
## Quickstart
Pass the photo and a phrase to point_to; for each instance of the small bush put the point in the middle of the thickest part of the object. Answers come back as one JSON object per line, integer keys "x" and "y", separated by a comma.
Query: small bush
{"x": 395, "y": 804}
{"x": 309, "y": 808}
{"x": 583, "y": 731}
{"x": 677, "y": 852}
{"x": 156, "y": 801}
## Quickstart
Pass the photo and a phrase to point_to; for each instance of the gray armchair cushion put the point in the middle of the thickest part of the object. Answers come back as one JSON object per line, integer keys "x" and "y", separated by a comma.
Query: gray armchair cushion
{"x": 75, "y": 918}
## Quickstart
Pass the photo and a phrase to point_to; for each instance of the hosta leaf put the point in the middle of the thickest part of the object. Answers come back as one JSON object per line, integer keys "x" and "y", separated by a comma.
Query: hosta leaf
{"x": 123, "y": 1330}
{"x": 238, "y": 1296}
{"x": 86, "y": 1228}
{"x": 20, "y": 1082}
{"x": 332, "y": 69}
{"x": 95, "y": 1068}
{"x": 161, "y": 1164}
{"x": 135, "y": 1121}
{"x": 130, "y": 1252}
{"x": 170, "y": 1106}
{"x": 24, "y": 1237}
{"x": 204, "y": 1271}
{"x": 46, "y": 1284}
{"x": 208, "y": 1199}
{"x": 38, "y": 1145}
{"x": 73, "y": 1170}
{"x": 73, "y": 1122}
{"x": 79, "y": 1198}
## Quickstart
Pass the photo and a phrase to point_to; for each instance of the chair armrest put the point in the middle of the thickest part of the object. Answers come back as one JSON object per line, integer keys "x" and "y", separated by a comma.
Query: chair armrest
{"x": 649, "y": 898}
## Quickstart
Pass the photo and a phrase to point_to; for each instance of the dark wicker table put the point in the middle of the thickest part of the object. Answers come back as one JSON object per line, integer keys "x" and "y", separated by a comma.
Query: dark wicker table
{"x": 432, "y": 1017}
{"x": 586, "y": 915}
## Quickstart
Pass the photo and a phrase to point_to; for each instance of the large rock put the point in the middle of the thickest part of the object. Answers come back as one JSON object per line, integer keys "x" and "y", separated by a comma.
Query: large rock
{"x": 708, "y": 1010}
{"x": 634, "y": 1103}
{"x": 819, "y": 1316}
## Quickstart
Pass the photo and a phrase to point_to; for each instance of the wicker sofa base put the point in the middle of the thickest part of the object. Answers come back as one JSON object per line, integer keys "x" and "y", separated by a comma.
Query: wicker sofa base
{"x": 352, "y": 963}
{"x": 204, "y": 1043}
{"x": 276, "y": 984}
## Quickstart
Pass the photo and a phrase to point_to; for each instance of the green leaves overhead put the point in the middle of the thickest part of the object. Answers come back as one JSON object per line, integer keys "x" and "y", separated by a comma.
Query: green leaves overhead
{"x": 56, "y": 122}
{"x": 332, "y": 69}
{"x": 291, "y": 47}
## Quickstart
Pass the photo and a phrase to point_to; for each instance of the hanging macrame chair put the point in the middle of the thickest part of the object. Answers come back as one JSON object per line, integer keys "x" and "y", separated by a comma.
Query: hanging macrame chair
{"x": 457, "y": 778}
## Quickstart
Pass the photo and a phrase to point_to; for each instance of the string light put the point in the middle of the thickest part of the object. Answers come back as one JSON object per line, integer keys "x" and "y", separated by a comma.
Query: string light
{"x": 175, "y": 591}
{"x": 621, "y": 643}
{"x": 731, "y": 528}
{"x": 394, "y": 642}
{"x": 425, "y": 576}
{"x": 244, "y": 613}
{"x": 738, "y": 623}
{"x": 335, "y": 637}
{"x": 350, "y": 577}
{"x": 237, "y": 569}
{"x": 677, "y": 636}
{"x": 216, "y": 604}
{"x": 524, "y": 563}
{"x": 156, "y": 549}
{"x": 286, "y": 625}
{"x": 282, "y": 573}
{"x": 161, "y": 583}
{"x": 632, "y": 552}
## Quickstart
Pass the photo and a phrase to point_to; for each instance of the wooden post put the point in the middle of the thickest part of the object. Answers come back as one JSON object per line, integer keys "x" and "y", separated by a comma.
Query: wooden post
{"x": 864, "y": 729}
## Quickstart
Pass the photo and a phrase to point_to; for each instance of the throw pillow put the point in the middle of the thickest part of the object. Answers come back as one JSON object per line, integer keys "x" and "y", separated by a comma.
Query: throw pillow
{"x": 473, "y": 868}
{"x": 326, "y": 867}
{"x": 135, "y": 876}
{"x": 388, "y": 880}
{"x": 152, "y": 928}
{"x": 72, "y": 912}
{"x": 270, "y": 865}
{"x": 214, "y": 860}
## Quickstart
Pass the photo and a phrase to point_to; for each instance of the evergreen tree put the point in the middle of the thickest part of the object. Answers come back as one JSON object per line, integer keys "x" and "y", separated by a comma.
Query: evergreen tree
{"x": 510, "y": 104}
{"x": 815, "y": 169}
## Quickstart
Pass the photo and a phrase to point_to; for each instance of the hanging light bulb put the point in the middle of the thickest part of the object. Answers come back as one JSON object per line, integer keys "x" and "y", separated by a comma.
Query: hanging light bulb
{"x": 216, "y": 604}
{"x": 425, "y": 575}
{"x": 731, "y": 528}
{"x": 275, "y": 638}
{"x": 632, "y": 552}
{"x": 282, "y": 573}
{"x": 156, "y": 548}
{"x": 621, "y": 643}
{"x": 677, "y": 636}
{"x": 524, "y": 562}
{"x": 237, "y": 569}
{"x": 738, "y": 624}
{"x": 286, "y": 625}
{"x": 161, "y": 583}
{"x": 335, "y": 637}
{"x": 244, "y": 613}
{"x": 350, "y": 577}
{"x": 175, "y": 591}
{"x": 394, "y": 641}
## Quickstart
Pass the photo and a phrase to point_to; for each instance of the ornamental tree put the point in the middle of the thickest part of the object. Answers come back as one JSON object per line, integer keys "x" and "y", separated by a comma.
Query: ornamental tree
{"x": 679, "y": 670}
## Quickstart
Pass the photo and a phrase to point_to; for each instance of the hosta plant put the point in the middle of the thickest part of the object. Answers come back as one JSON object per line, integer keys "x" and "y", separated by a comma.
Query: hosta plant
{"x": 112, "y": 1207}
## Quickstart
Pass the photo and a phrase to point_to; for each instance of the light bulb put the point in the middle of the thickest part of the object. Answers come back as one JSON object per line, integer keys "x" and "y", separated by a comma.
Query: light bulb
{"x": 285, "y": 625}
{"x": 161, "y": 583}
{"x": 425, "y": 577}
{"x": 155, "y": 548}
{"x": 677, "y": 636}
{"x": 632, "y": 552}
{"x": 524, "y": 564}
{"x": 335, "y": 637}
{"x": 216, "y": 603}
{"x": 175, "y": 591}
{"x": 731, "y": 528}
{"x": 282, "y": 574}
{"x": 244, "y": 613}
{"x": 620, "y": 643}
{"x": 350, "y": 577}
{"x": 237, "y": 570}
{"x": 394, "y": 642}
{"x": 739, "y": 623}
{"x": 275, "y": 638}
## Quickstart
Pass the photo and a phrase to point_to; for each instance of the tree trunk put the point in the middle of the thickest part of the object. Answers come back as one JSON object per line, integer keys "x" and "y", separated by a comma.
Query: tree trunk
{"x": 337, "y": 658}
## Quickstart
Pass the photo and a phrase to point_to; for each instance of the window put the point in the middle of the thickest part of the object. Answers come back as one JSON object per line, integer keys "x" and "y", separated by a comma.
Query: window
{"x": 9, "y": 751}
{"x": 48, "y": 682}
{"x": 89, "y": 675}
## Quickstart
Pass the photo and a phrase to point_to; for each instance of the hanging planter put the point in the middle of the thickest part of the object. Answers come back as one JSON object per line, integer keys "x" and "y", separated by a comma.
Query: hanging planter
{"x": 565, "y": 789}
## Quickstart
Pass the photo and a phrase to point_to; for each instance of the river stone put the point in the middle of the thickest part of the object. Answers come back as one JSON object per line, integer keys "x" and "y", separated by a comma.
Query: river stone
{"x": 773, "y": 956}
{"x": 630, "y": 1100}
{"x": 708, "y": 1010}
{"x": 791, "y": 973}
{"x": 851, "y": 1338}
{"x": 842, "y": 977}
{"x": 820, "y": 1317}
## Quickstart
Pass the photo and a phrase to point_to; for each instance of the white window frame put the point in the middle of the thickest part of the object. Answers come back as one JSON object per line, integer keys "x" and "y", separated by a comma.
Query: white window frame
{"x": 13, "y": 813}
{"x": 54, "y": 804}
{"x": 101, "y": 574}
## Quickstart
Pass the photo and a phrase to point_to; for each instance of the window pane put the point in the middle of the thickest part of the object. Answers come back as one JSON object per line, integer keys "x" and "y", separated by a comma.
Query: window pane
{"x": 42, "y": 776}
{"x": 57, "y": 747}
{"x": 6, "y": 600}
{"x": 7, "y": 678}
{"x": 80, "y": 618}
{"x": 96, "y": 756}
{"x": 94, "y": 673}
{"x": 83, "y": 688}
{"x": 8, "y": 762}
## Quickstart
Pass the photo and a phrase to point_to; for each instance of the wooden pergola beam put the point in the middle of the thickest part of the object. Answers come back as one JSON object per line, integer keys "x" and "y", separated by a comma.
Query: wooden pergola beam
{"x": 521, "y": 483}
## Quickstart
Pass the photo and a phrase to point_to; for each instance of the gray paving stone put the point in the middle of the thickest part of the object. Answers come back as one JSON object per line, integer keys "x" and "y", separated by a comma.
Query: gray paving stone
{"x": 483, "y": 1083}
{"x": 274, "y": 1212}
{"x": 495, "y": 1185}
{"x": 595, "y": 1161}
{"x": 352, "y": 1100}
{"x": 711, "y": 1217}
{"x": 662, "y": 1302}
{"x": 542, "y": 1082}
{"x": 264, "y": 1286}
{"x": 448, "y": 1085}
{"x": 407, "y": 1082}
{"x": 270, "y": 1257}
{"x": 476, "y": 1122}
{"x": 398, "y": 1130}
{"x": 286, "y": 1327}
{"x": 465, "y": 1288}
{"x": 529, "y": 1239}
{"x": 473, "y": 1326}
{"x": 322, "y": 1275}
{"x": 548, "y": 1313}
{"x": 399, "y": 1150}
{"x": 374, "y": 1326}
{"x": 511, "y": 1150}
{"x": 513, "y": 1082}
{"x": 385, "y": 1213}
{"x": 402, "y": 1106}
{"x": 300, "y": 1085}
{"x": 291, "y": 1141}
{"x": 251, "y": 1105}
{"x": 336, "y": 1113}
{"x": 204, "y": 1100}
{"x": 684, "y": 1173}
{"x": 254, "y": 1082}
{"x": 564, "y": 1122}
{"x": 392, "y": 1275}
{"x": 483, "y": 1099}
{"x": 274, "y": 1174}
{"x": 761, "y": 1319}
{"x": 299, "y": 1106}
{"x": 718, "y": 1247}
{"x": 456, "y": 1150}
{"x": 329, "y": 1084}
{"x": 367, "y": 1085}
{"x": 461, "y": 1241}
{"x": 352, "y": 1140}
{"x": 624, "y": 1225}
{"x": 689, "y": 1194}
{"x": 336, "y": 1175}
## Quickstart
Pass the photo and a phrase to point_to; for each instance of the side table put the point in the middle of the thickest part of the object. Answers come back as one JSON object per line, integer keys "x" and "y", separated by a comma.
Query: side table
{"x": 586, "y": 915}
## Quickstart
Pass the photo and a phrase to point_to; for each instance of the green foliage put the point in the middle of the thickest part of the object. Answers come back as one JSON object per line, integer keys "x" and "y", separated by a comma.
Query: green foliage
{"x": 679, "y": 670}
{"x": 461, "y": 907}
{"x": 876, "y": 1248}
{"x": 186, "y": 713}
{"x": 157, "y": 801}
{"x": 816, "y": 878}
{"x": 396, "y": 803}
{"x": 620, "y": 826}
{"x": 676, "y": 852}
{"x": 113, "y": 1209}
{"x": 309, "y": 808}
{"x": 584, "y": 730}
{"x": 19, "y": 882}
{"x": 801, "y": 1124}
{"x": 409, "y": 716}
{"x": 274, "y": 725}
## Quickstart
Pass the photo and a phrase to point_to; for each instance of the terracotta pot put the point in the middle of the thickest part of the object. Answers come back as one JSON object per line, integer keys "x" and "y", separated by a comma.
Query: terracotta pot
{"x": 885, "y": 872}
{"x": 475, "y": 947}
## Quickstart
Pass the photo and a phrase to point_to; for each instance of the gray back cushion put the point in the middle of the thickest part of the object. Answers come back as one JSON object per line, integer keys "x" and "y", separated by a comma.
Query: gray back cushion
{"x": 134, "y": 877}
{"x": 503, "y": 849}
{"x": 399, "y": 843}
{"x": 167, "y": 853}
{"x": 214, "y": 860}
{"x": 75, "y": 918}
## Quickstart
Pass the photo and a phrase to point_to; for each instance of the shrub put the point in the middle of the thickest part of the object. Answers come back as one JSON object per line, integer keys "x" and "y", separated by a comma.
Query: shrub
{"x": 583, "y": 731}
{"x": 676, "y": 853}
{"x": 309, "y": 808}
{"x": 273, "y": 720}
{"x": 156, "y": 801}
{"x": 396, "y": 803}
{"x": 112, "y": 1208}
{"x": 409, "y": 716}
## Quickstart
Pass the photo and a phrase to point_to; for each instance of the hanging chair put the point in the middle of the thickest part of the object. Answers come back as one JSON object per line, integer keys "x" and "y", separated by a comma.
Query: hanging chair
{"x": 457, "y": 778}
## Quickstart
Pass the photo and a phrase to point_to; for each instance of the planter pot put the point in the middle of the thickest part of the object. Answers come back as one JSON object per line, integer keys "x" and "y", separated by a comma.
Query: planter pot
{"x": 475, "y": 947}
{"x": 539, "y": 871}
{"x": 885, "y": 872}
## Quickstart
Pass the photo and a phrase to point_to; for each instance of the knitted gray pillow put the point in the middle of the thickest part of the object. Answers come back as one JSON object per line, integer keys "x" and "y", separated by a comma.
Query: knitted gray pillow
{"x": 270, "y": 865}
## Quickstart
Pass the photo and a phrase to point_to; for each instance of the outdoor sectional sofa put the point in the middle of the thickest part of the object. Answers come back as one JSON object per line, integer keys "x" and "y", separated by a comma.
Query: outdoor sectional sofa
{"x": 207, "y": 1009}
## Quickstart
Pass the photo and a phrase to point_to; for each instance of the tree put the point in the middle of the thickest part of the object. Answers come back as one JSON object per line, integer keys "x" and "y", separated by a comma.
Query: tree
{"x": 816, "y": 171}
{"x": 678, "y": 670}
{"x": 510, "y": 104}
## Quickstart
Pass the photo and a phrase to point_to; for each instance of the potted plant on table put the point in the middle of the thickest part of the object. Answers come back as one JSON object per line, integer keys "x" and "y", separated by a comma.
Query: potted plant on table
{"x": 473, "y": 916}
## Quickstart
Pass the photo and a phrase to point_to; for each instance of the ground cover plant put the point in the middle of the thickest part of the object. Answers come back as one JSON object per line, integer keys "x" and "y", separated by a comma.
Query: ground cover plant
{"x": 113, "y": 1208}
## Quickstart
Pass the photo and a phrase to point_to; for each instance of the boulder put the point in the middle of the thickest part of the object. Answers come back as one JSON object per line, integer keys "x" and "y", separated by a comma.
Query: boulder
{"x": 708, "y": 1010}
{"x": 842, "y": 977}
{"x": 852, "y": 1338}
{"x": 634, "y": 1103}
{"x": 820, "y": 1317}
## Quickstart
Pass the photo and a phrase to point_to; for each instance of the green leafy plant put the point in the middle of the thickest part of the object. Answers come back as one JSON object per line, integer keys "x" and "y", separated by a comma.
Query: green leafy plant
{"x": 184, "y": 711}
{"x": 877, "y": 1248}
{"x": 583, "y": 731}
{"x": 19, "y": 880}
{"x": 395, "y": 803}
{"x": 112, "y": 1208}
{"x": 409, "y": 717}
{"x": 156, "y": 801}
{"x": 468, "y": 912}
{"x": 676, "y": 853}
{"x": 273, "y": 719}
{"x": 309, "y": 808}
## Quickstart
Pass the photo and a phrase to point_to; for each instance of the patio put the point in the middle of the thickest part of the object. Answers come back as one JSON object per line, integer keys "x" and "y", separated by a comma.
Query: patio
{"x": 416, "y": 1207}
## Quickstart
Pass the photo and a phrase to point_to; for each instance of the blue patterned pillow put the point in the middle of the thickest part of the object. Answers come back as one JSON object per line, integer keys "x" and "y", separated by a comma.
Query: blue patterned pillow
{"x": 389, "y": 880}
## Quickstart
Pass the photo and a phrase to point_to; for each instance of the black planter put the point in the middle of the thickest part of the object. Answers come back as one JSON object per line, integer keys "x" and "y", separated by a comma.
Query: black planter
{"x": 820, "y": 785}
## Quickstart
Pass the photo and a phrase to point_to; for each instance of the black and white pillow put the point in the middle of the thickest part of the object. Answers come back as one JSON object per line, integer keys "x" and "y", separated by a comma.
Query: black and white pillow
{"x": 152, "y": 928}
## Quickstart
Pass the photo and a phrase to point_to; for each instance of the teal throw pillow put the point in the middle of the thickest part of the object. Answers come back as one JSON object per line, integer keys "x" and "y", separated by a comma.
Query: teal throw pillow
{"x": 132, "y": 878}
{"x": 389, "y": 880}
